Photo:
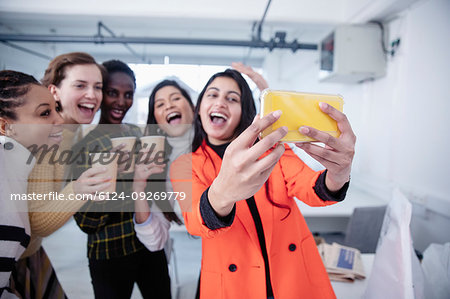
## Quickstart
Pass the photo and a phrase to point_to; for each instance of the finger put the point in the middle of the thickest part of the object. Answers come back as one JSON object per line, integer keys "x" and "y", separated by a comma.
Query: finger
{"x": 266, "y": 173}
{"x": 93, "y": 171}
{"x": 338, "y": 116}
{"x": 325, "y": 163}
{"x": 94, "y": 181}
{"x": 324, "y": 153}
{"x": 96, "y": 188}
{"x": 248, "y": 137}
{"x": 270, "y": 160}
{"x": 102, "y": 187}
{"x": 321, "y": 136}
{"x": 267, "y": 142}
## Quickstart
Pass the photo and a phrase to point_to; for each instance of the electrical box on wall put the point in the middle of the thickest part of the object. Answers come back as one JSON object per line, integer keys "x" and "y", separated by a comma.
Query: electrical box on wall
{"x": 351, "y": 54}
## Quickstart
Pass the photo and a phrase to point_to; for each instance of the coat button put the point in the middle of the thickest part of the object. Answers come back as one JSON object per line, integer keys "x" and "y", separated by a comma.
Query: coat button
{"x": 292, "y": 247}
{"x": 232, "y": 268}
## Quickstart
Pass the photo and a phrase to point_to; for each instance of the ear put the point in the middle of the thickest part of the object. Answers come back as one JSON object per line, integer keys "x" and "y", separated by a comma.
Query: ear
{"x": 4, "y": 127}
{"x": 54, "y": 91}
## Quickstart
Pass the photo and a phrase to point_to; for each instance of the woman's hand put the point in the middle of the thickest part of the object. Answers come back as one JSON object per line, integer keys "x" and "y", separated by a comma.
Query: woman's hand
{"x": 91, "y": 181}
{"x": 337, "y": 155}
{"x": 254, "y": 76}
{"x": 142, "y": 171}
{"x": 243, "y": 172}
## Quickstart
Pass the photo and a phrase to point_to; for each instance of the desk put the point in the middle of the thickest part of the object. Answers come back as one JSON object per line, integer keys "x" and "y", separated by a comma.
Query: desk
{"x": 334, "y": 218}
{"x": 356, "y": 289}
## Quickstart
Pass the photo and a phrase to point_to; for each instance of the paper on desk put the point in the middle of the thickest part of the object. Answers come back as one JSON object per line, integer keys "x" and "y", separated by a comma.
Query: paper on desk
{"x": 341, "y": 262}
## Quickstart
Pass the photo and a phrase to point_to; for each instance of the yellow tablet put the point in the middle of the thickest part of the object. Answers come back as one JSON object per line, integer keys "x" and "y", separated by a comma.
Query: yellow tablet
{"x": 300, "y": 109}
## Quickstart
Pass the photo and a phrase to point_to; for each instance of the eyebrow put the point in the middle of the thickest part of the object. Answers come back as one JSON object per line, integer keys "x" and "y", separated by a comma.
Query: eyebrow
{"x": 82, "y": 81}
{"x": 170, "y": 95}
{"x": 43, "y": 104}
{"x": 231, "y": 91}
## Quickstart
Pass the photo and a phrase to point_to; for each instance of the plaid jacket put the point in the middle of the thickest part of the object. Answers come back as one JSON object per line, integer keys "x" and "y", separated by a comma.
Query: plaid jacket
{"x": 110, "y": 234}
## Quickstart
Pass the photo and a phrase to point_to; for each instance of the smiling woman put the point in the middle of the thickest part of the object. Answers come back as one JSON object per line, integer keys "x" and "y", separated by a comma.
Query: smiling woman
{"x": 76, "y": 81}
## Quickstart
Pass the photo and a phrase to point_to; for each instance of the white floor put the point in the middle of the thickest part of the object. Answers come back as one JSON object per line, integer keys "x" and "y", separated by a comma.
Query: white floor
{"x": 67, "y": 251}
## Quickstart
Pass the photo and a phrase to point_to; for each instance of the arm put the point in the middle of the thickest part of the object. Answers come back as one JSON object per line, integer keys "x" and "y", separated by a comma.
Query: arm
{"x": 153, "y": 232}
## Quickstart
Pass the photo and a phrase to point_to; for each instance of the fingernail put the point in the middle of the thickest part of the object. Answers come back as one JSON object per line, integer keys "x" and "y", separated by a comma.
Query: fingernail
{"x": 277, "y": 113}
{"x": 323, "y": 105}
{"x": 304, "y": 130}
{"x": 285, "y": 129}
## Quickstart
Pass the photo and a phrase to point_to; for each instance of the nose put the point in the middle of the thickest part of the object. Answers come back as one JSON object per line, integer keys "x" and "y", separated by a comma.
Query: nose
{"x": 170, "y": 105}
{"x": 121, "y": 101}
{"x": 90, "y": 93}
{"x": 58, "y": 120}
{"x": 222, "y": 101}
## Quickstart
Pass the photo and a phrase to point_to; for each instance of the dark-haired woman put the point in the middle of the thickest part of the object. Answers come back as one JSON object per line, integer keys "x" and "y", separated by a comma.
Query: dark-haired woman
{"x": 28, "y": 117}
{"x": 255, "y": 242}
{"x": 121, "y": 250}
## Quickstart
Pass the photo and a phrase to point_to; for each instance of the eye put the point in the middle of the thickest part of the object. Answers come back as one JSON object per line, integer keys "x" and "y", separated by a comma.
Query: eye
{"x": 98, "y": 87}
{"x": 111, "y": 93}
{"x": 232, "y": 99}
{"x": 58, "y": 107}
{"x": 159, "y": 105}
{"x": 176, "y": 99}
{"x": 129, "y": 95}
{"x": 80, "y": 86}
{"x": 46, "y": 113}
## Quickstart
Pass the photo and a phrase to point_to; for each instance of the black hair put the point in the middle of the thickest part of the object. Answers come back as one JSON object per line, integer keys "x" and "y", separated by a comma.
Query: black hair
{"x": 117, "y": 66}
{"x": 247, "y": 116}
{"x": 13, "y": 87}
{"x": 151, "y": 101}
{"x": 247, "y": 107}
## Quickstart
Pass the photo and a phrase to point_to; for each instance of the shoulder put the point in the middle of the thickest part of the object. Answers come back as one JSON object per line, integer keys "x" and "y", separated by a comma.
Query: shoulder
{"x": 132, "y": 130}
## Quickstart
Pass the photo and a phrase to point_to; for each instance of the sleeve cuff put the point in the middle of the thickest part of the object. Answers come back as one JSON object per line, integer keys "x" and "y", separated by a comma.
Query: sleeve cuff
{"x": 210, "y": 217}
{"x": 146, "y": 222}
{"x": 326, "y": 195}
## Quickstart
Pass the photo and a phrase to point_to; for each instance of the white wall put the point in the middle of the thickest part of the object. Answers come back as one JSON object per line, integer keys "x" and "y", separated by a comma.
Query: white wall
{"x": 401, "y": 120}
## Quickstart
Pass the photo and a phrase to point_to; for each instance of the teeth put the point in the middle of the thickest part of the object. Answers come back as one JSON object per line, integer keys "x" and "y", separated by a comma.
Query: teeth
{"x": 172, "y": 115}
{"x": 217, "y": 114}
{"x": 118, "y": 111}
{"x": 89, "y": 106}
{"x": 56, "y": 134}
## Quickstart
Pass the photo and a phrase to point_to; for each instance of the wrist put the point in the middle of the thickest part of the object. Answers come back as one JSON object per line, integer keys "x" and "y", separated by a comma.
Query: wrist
{"x": 221, "y": 205}
{"x": 335, "y": 183}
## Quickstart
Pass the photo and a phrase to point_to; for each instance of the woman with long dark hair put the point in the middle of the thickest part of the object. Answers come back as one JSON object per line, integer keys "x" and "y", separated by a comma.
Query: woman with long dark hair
{"x": 255, "y": 242}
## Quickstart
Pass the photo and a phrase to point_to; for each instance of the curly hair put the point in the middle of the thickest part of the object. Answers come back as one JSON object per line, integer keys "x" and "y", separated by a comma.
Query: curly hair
{"x": 13, "y": 87}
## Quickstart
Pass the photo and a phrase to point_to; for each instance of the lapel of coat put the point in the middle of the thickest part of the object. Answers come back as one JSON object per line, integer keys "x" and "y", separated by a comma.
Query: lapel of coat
{"x": 243, "y": 213}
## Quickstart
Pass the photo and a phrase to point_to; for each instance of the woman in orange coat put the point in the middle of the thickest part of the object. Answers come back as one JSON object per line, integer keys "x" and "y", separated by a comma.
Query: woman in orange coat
{"x": 255, "y": 242}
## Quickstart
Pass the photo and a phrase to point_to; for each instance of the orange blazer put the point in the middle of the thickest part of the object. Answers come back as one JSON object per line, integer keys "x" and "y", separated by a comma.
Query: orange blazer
{"x": 232, "y": 262}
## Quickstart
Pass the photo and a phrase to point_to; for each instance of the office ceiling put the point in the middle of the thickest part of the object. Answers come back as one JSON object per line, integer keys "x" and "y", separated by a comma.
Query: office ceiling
{"x": 232, "y": 20}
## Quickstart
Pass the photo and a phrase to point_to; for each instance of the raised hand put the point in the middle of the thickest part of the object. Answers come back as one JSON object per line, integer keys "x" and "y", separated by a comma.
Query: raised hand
{"x": 337, "y": 155}
{"x": 142, "y": 171}
{"x": 248, "y": 70}
{"x": 243, "y": 172}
